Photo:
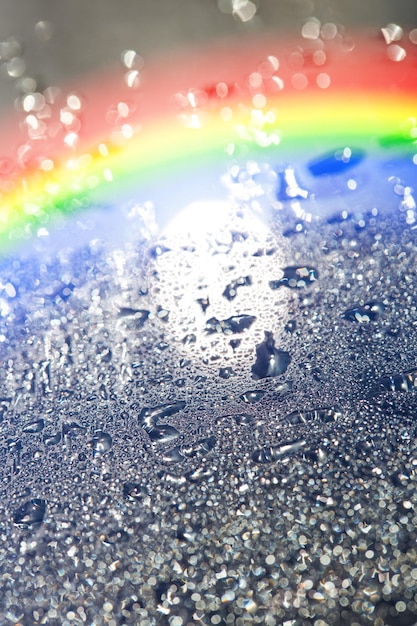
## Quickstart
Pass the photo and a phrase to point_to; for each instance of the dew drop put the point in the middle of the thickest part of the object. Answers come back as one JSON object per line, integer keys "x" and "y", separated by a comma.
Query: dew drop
{"x": 199, "y": 474}
{"x": 138, "y": 315}
{"x": 150, "y": 415}
{"x": 52, "y": 440}
{"x": 296, "y": 278}
{"x": 172, "y": 479}
{"x": 226, "y": 372}
{"x": 173, "y": 456}
{"x": 234, "y": 324}
{"x": 199, "y": 447}
{"x": 31, "y": 513}
{"x": 405, "y": 381}
{"x": 34, "y": 427}
{"x": 189, "y": 339}
{"x": 275, "y": 453}
{"x": 230, "y": 292}
{"x": 204, "y": 303}
{"x": 252, "y": 397}
{"x": 290, "y": 326}
{"x": 134, "y": 491}
{"x": 73, "y": 429}
{"x": 100, "y": 443}
{"x": 324, "y": 415}
{"x": 369, "y": 312}
{"x": 336, "y": 162}
{"x": 289, "y": 187}
{"x": 244, "y": 419}
{"x": 162, "y": 433}
{"x": 269, "y": 362}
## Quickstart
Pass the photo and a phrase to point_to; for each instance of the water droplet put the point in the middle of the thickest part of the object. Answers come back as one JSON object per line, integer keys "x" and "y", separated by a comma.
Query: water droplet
{"x": 162, "y": 433}
{"x": 139, "y": 316}
{"x": 199, "y": 474}
{"x": 244, "y": 419}
{"x": 369, "y": 312}
{"x": 200, "y": 381}
{"x": 114, "y": 536}
{"x": 234, "y": 324}
{"x": 199, "y": 447}
{"x": 150, "y": 415}
{"x": 231, "y": 290}
{"x": 226, "y": 372}
{"x": 34, "y": 427}
{"x": 336, "y": 162}
{"x": 14, "y": 445}
{"x": 172, "y": 479}
{"x": 235, "y": 343}
{"x": 406, "y": 381}
{"x": 289, "y": 188}
{"x": 158, "y": 250}
{"x": 134, "y": 491}
{"x": 364, "y": 445}
{"x": 73, "y": 429}
{"x": 290, "y": 327}
{"x": 31, "y": 513}
{"x": 186, "y": 533}
{"x": 251, "y": 397}
{"x": 173, "y": 456}
{"x": 100, "y": 443}
{"x": 295, "y": 278}
{"x": 316, "y": 454}
{"x": 189, "y": 339}
{"x": 204, "y": 303}
{"x": 323, "y": 415}
{"x": 52, "y": 440}
{"x": 275, "y": 453}
{"x": 269, "y": 362}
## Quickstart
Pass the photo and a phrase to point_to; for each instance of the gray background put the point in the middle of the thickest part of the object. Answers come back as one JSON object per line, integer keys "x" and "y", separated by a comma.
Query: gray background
{"x": 90, "y": 34}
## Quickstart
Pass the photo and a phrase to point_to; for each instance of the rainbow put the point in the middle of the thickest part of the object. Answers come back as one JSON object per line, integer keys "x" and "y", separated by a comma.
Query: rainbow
{"x": 323, "y": 104}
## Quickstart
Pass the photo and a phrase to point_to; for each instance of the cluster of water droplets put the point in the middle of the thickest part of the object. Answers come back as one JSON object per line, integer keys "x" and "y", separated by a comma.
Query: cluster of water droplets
{"x": 253, "y": 368}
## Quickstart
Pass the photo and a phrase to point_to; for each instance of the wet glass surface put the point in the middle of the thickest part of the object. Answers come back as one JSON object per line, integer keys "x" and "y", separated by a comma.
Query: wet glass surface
{"x": 208, "y": 408}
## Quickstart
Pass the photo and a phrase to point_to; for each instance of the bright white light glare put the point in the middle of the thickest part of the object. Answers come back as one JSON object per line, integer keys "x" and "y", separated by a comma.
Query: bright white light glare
{"x": 208, "y": 244}
{"x": 201, "y": 220}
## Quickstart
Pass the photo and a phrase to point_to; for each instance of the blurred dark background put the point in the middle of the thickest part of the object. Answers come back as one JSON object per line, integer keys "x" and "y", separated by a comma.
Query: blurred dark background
{"x": 49, "y": 41}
